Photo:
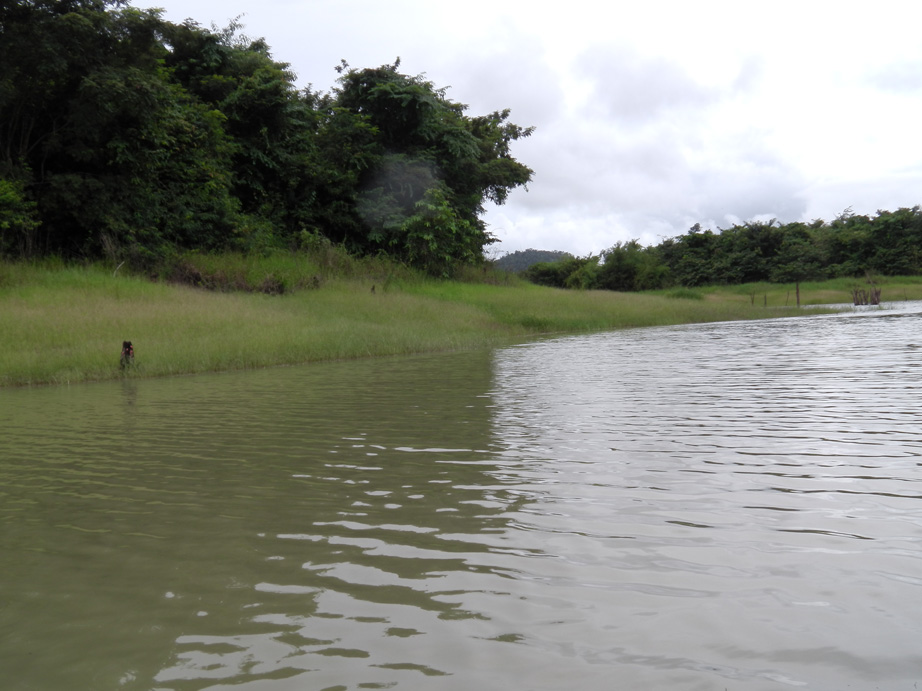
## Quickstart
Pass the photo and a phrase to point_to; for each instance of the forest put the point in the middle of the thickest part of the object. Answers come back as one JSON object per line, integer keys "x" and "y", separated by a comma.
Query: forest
{"x": 850, "y": 246}
{"x": 129, "y": 138}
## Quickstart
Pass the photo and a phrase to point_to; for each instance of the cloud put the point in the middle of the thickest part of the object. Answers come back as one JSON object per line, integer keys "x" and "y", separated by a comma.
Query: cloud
{"x": 513, "y": 72}
{"x": 632, "y": 89}
{"x": 645, "y": 151}
{"x": 865, "y": 197}
{"x": 901, "y": 77}
{"x": 650, "y": 116}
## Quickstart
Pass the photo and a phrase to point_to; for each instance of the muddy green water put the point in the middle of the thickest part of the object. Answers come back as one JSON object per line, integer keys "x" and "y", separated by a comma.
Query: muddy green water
{"x": 725, "y": 506}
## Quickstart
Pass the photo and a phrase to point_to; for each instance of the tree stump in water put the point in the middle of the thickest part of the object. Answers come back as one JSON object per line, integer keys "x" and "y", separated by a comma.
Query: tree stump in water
{"x": 127, "y": 358}
{"x": 860, "y": 296}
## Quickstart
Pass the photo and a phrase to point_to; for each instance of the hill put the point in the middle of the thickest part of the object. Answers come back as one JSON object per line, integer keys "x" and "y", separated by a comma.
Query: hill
{"x": 521, "y": 260}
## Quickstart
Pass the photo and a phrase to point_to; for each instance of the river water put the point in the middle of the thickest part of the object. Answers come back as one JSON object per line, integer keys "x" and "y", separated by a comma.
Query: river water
{"x": 724, "y": 506}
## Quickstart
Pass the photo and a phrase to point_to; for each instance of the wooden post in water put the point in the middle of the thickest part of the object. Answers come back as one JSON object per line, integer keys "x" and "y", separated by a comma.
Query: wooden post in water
{"x": 127, "y": 357}
{"x": 860, "y": 296}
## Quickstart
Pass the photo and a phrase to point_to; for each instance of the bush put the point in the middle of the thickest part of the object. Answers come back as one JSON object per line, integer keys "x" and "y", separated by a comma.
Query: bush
{"x": 18, "y": 221}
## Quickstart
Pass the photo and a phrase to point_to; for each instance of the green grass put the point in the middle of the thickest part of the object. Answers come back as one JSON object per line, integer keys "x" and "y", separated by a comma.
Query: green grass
{"x": 279, "y": 272}
{"x": 65, "y": 324}
{"x": 684, "y": 294}
{"x": 527, "y": 309}
{"x": 834, "y": 291}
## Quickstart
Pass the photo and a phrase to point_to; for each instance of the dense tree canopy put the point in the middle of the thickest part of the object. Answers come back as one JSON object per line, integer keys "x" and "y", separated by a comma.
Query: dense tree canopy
{"x": 124, "y": 135}
{"x": 429, "y": 170}
{"x": 851, "y": 246}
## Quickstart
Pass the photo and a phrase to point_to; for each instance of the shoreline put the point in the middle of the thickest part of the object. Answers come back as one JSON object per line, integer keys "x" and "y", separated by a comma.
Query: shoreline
{"x": 65, "y": 325}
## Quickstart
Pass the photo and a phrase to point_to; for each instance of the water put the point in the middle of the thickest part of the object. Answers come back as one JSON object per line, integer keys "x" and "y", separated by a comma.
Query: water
{"x": 726, "y": 506}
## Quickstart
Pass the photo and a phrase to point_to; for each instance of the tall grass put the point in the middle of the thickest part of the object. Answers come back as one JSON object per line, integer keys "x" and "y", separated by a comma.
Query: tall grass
{"x": 832, "y": 292}
{"x": 279, "y": 272}
{"x": 528, "y": 309}
{"x": 67, "y": 325}
{"x": 62, "y": 324}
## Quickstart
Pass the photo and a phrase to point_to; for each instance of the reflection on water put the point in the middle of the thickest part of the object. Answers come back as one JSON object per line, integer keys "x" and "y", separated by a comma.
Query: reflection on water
{"x": 719, "y": 506}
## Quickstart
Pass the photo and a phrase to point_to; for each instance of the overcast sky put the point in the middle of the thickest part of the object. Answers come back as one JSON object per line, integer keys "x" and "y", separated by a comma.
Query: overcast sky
{"x": 650, "y": 116}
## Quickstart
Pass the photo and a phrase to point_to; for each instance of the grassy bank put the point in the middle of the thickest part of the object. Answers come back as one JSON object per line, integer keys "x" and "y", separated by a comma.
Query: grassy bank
{"x": 835, "y": 291}
{"x": 64, "y": 324}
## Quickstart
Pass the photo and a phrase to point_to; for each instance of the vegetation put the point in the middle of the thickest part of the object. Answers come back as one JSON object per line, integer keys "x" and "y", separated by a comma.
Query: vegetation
{"x": 523, "y": 259}
{"x": 850, "y": 247}
{"x": 169, "y": 185}
{"x": 64, "y": 323}
{"x": 126, "y": 137}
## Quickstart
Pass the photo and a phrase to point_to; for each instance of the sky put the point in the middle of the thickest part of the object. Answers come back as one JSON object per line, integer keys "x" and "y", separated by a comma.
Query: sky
{"x": 650, "y": 116}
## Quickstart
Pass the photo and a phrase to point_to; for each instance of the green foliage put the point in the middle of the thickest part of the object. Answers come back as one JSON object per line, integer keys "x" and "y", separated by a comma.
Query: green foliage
{"x": 683, "y": 294}
{"x": 570, "y": 272}
{"x": 86, "y": 311}
{"x": 848, "y": 247}
{"x": 897, "y": 237}
{"x": 269, "y": 126}
{"x": 691, "y": 257}
{"x": 135, "y": 139}
{"x": 126, "y": 137}
{"x": 585, "y": 275}
{"x": 18, "y": 222}
{"x": 623, "y": 267}
{"x": 630, "y": 267}
{"x": 119, "y": 160}
{"x": 798, "y": 258}
{"x": 428, "y": 169}
{"x": 436, "y": 239}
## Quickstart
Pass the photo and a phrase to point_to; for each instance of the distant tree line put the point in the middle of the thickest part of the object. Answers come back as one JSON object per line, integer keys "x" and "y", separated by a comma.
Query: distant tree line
{"x": 126, "y": 136}
{"x": 889, "y": 243}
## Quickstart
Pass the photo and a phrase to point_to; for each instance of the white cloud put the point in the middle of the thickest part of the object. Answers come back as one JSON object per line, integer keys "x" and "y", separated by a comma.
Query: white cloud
{"x": 651, "y": 116}
{"x": 631, "y": 89}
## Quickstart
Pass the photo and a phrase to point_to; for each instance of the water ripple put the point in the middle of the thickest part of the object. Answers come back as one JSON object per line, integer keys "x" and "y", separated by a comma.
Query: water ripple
{"x": 701, "y": 507}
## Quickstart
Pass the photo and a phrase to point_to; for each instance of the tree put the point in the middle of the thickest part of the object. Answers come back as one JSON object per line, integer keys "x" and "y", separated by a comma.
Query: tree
{"x": 896, "y": 238}
{"x": 845, "y": 244}
{"x": 569, "y": 272}
{"x": 18, "y": 222}
{"x": 426, "y": 151}
{"x": 690, "y": 257}
{"x": 628, "y": 266}
{"x": 270, "y": 125}
{"x": 798, "y": 257}
{"x": 46, "y": 48}
{"x": 118, "y": 159}
{"x": 435, "y": 238}
{"x": 126, "y": 136}
{"x": 744, "y": 253}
